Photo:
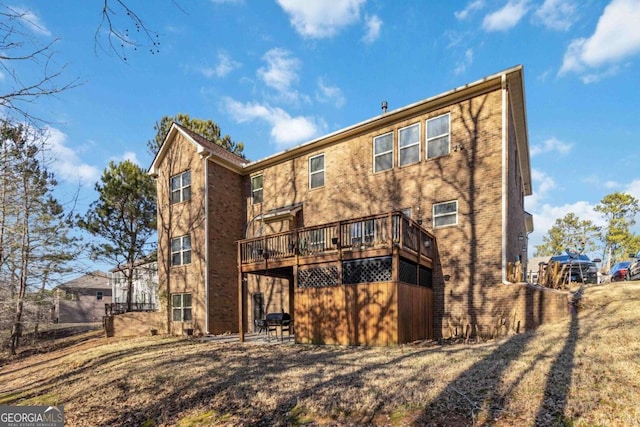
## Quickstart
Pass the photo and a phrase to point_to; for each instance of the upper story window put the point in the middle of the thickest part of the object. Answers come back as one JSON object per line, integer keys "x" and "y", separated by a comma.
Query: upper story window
{"x": 181, "y": 250}
{"x": 383, "y": 152}
{"x": 438, "y": 133}
{"x": 256, "y": 189}
{"x": 445, "y": 214}
{"x": 181, "y": 187}
{"x": 316, "y": 171}
{"x": 99, "y": 295}
{"x": 409, "y": 143}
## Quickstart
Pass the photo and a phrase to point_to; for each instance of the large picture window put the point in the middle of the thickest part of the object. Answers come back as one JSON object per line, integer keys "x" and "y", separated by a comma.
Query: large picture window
{"x": 181, "y": 250}
{"x": 383, "y": 152}
{"x": 181, "y": 307}
{"x": 409, "y": 143}
{"x": 181, "y": 187}
{"x": 445, "y": 214}
{"x": 438, "y": 133}
{"x": 316, "y": 171}
{"x": 256, "y": 189}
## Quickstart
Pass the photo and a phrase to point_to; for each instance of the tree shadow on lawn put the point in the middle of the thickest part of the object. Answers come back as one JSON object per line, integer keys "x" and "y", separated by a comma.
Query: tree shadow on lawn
{"x": 231, "y": 390}
{"x": 33, "y": 386}
{"x": 480, "y": 395}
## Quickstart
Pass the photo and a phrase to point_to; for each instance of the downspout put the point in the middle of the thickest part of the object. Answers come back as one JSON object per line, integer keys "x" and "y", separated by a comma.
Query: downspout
{"x": 206, "y": 241}
{"x": 505, "y": 176}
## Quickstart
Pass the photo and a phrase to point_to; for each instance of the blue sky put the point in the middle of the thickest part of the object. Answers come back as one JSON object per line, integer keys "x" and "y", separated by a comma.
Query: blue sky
{"x": 277, "y": 73}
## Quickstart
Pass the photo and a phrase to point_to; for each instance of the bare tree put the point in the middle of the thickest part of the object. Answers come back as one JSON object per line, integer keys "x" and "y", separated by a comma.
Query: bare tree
{"x": 34, "y": 230}
{"x": 22, "y": 53}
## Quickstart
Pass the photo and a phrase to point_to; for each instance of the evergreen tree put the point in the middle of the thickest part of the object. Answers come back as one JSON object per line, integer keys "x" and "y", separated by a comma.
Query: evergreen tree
{"x": 208, "y": 129}
{"x": 569, "y": 232}
{"x": 123, "y": 218}
{"x": 619, "y": 211}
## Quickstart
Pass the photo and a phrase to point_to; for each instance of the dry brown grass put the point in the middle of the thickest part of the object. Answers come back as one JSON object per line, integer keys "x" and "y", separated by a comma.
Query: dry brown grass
{"x": 584, "y": 371}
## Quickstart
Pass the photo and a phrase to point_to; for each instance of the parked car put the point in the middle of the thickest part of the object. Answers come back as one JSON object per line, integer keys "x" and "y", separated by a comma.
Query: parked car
{"x": 619, "y": 271}
{"x": 581, "y": 268}
{"x": 633, "y": 273}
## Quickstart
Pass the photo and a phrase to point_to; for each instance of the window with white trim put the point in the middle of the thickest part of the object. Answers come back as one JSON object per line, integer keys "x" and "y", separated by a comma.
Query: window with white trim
{"x": 256, "y": 189}
{"x": 181, "y": 250}
{"x": 383, "y": 152}
{"x": 181, "y": 307}
{"x": 409, "y": 145}
{"x": 99, "y": 295}
{"x": 438, "y": 136}
{"x": 181, "y": 187}
{"x": 445, "y": 214}
{"x": 316, "y": 171}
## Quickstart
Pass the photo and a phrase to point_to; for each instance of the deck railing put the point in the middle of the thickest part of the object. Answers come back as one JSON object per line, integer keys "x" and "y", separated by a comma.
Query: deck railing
{"x": 359, "y": 233}
{"x": 121, "y": 307}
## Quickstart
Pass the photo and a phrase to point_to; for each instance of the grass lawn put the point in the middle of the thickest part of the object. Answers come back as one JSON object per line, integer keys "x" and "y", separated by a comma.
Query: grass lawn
{"x": 584, "y": 371}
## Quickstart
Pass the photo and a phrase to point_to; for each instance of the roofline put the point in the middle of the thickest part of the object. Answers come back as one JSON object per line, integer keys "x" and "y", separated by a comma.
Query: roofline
{"x": 480, "y": 86}
{"x": 514, "y": 77}
{"x": 202, "y": 150}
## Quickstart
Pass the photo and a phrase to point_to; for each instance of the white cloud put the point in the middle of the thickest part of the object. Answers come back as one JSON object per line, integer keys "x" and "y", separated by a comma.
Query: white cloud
{"x": 225, "y": 65}
{"x": 471, "y": 7}
{"x": 551, "y": 145}
{"x": 507, "y": 17}
{"x": 66, "y": 162}
{"x": 633, "y": 189}
{"x": 462, "y": 65}
{"x": 32, "y": 21}
{"x": 542, "y": 185}
{"x": 286, "y": 131}
{"x": 373, "y": 25}
{"x": 329, "y": 94}
{"x": 557, "y": 14}
{"x": 317, "y": 19}
{"x": 132, "y": 157}
{"x": 281, "y": 70}
{"x": 615, "y": 39}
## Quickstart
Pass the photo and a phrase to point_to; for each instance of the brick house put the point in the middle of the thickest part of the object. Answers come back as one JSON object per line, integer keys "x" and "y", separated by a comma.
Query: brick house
{"x": 403, "y": 227}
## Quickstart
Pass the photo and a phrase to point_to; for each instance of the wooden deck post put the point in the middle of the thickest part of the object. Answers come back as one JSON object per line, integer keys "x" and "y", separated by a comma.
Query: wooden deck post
{"x": 241, "y": 280}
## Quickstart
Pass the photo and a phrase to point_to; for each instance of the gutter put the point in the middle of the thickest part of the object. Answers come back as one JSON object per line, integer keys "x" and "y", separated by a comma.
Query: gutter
{"x": 505, "y": 176}
{"x": 206, "y": 241}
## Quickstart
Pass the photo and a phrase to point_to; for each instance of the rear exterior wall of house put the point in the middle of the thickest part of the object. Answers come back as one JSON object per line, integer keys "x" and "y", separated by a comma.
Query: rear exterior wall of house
{"x": 181, "y": 269}
{"x": 470, "y": 252}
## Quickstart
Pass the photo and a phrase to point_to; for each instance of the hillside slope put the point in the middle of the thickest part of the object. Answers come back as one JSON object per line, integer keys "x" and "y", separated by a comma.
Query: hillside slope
{"x": 583, "y": 371}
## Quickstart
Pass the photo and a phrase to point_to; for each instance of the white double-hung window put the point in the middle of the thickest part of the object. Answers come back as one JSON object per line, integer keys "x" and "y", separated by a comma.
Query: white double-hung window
{"x": 383, "y": 152}
{"x": 438, "y": 136}
{"x": 409, "y": 143}
{"x": 445, "y": 214}
{"x": 316, "y": 171}
{"x": 256, "y": 189}
{"x": 181, "y": 250}
{"x": 181, "y": 187}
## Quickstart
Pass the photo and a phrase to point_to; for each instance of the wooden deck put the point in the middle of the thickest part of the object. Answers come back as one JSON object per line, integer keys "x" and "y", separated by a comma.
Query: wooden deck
{"x": 344, "y": 279}
{"x": 366, "y": 237}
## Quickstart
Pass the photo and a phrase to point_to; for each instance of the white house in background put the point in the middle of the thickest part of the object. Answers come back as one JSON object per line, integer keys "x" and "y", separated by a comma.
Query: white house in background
{"x": 144, "y": 294}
